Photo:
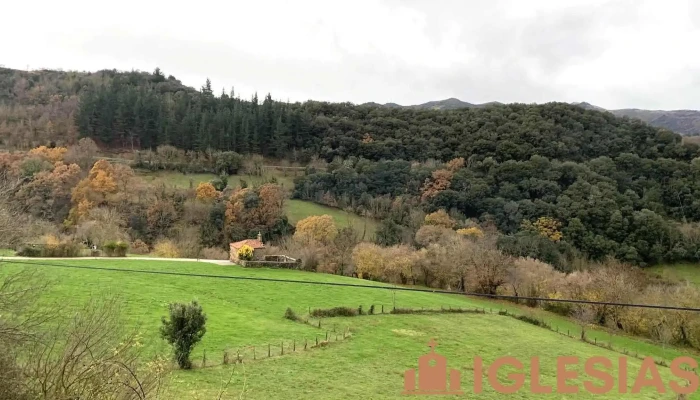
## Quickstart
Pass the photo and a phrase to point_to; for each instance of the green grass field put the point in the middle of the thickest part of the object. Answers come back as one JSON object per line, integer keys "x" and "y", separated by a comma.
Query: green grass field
{"x": 182, "y": 181}
{"x": 369, "y": 364}
{"x": 300, "y": 209}
{"x": 679, "y": 272}
{"x": 7, "y": 252}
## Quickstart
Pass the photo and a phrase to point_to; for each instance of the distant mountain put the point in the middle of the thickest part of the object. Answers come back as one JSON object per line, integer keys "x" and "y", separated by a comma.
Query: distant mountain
{"x": 447, "y": 104}
{"x": 684, "y": 122}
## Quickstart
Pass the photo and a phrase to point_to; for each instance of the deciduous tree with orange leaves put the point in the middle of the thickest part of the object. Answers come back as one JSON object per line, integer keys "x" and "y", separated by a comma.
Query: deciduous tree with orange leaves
{"x": 206, "y": 192}
{"x": 52, "y": 155}
{"x": 93, "y": 191}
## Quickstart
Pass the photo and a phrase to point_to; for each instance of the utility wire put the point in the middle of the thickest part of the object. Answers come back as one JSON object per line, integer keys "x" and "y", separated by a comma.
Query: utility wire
{"x": 405, "y": 289}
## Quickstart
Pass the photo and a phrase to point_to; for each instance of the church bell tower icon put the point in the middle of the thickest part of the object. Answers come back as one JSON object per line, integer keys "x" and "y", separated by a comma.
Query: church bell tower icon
{"x": 432, "y": 376}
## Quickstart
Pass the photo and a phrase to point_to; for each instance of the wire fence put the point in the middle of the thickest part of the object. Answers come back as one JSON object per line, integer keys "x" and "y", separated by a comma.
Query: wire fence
{"x": 376, "y": 287}
{"x": 271, "y": 349}
{"x": 331, "y": 332}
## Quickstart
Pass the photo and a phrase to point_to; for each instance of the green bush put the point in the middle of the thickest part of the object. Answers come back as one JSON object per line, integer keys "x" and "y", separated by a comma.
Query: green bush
{"x": 291, "y": 315}
{"x": 533, "y": 321}
{"x": 115, "y": 249}
{"x": 29, "y": 251}
{"x": 333, "y": 312}
{"x": 183, "y": 329}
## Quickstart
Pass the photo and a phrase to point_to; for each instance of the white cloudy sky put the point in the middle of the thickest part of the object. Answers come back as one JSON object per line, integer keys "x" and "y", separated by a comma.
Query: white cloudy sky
{"x": 612, "y": 53}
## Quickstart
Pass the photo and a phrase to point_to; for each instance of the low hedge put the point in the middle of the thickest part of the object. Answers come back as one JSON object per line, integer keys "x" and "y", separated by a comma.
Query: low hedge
{"x": 115, "y": 249}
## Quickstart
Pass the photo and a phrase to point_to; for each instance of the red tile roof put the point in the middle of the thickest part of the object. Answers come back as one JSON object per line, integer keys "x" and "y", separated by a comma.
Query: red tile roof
{"x": 254, "y": 243}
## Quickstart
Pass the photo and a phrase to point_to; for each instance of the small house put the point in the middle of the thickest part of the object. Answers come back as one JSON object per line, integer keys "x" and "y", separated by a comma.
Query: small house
{"x": 256, "y": 244}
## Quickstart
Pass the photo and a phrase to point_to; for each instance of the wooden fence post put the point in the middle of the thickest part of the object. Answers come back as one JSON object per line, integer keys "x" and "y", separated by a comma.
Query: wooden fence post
{"x": 282, "y": 348}
{"x": 238, "y": 356}
{"x": 268, "y": 350}
{"x": 305, "y": 344}
{"x": 316, "y": 340}
{"x": 382, "y": 308}
{"x": 295, "y": 345}
{"x": 253, "y": 352}
{"x": 326, "y": 336}
{"x": 204, "y": 359}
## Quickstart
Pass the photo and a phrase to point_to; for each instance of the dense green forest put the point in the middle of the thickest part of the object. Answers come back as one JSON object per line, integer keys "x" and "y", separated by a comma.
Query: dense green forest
{"x": 617, "y": 186}
{"x": 125, "y": 114}
{"x": 622, "y": 206}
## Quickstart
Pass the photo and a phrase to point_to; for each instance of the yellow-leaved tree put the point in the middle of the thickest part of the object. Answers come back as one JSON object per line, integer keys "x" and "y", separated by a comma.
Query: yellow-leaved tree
{"x": 206, "y": 192}
{"x": 92, "y": 191}
{"x": 368, "y": 260}
{"x": 316, "y": 229}
{"x": 472, "y": 232}
{"x": 544, "y": 226}
{"x": 245, "y": 253}
{"x": 53, "y": 155}
{"x": 440, "y": 218}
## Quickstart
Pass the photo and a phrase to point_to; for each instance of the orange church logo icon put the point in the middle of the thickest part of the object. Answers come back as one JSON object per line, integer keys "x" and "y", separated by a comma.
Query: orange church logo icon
{"x": 432, "y": 376}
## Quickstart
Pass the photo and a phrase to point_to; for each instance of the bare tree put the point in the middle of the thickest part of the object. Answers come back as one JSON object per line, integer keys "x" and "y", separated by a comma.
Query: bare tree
{"x": 88, "y": 356}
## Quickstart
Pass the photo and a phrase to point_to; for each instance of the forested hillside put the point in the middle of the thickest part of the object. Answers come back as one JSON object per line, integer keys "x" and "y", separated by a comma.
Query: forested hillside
{"x": 123, "y": 114}
{"x": 38, "y": 107}
{"x": 615, "y": 186}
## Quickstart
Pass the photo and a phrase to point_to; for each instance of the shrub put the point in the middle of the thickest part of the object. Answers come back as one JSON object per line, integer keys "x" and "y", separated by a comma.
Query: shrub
{"x": 371, "y": 309}
{"x": 533, "y": 321}
{"x": 214, "y": 253}
{"x": 333, "y": 312}
{"x": 245, "y": 253}
{"x": 116, "y": 249}
{"x": 166, "y": 249}
{"x": 220, "y": 182}
{"x": 206, "y": 192}
{"x": 183, "y": 329}
{"x": 29, "y": 251}
{"x": 139, "y": 247}
{"x": 359, "y": 310}
{"x": 402, "y": 311}
{"x": 472, "y": 232}
{"x": 291, "y": 315}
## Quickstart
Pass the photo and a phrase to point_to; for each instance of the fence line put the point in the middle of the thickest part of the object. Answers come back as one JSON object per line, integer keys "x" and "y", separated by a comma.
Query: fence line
{"x": 270, "y": 350}
{"x": 395, "y": 288}
{"x": 527, "y": 319}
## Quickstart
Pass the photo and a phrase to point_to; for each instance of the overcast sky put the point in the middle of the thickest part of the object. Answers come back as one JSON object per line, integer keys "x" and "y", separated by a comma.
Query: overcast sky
{"x": 612, "y": 53}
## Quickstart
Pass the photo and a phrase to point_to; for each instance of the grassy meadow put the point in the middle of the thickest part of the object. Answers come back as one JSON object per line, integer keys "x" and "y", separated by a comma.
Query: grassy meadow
{"x": 368, "y": 364}
{"x": 182, "y": 181}
{"x": 299, "y": 209}
{"x": 678, "y": 272}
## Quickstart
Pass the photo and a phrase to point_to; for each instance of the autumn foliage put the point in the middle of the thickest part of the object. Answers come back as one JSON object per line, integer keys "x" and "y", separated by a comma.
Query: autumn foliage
{"x": 440, "y": 218}
{"x": 472, "y": 232}
{"x": 253, "y": 208}
{"x": 440, "y": 180}
{"x": 53, "y": 155}
{"x": 206, "y": 192}
{"x": 245, "y": 253}
{"x": 316, "y": 229}
{"x": 544, "y": 226}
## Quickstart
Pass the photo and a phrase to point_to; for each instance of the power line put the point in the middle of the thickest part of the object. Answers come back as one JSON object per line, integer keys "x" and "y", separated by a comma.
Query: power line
{"x": 405, "y": 289}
